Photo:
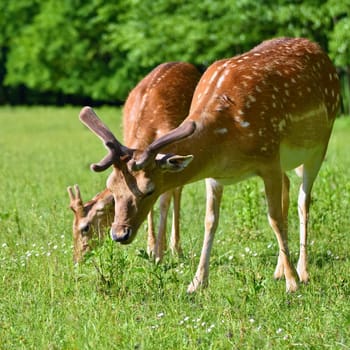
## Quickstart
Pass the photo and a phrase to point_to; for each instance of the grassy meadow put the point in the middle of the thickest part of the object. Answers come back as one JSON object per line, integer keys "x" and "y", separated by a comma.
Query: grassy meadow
{"x": 118, "y": 298}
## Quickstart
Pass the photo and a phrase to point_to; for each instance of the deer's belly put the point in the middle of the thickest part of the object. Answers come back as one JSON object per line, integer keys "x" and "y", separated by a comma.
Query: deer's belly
{"x": 292, "y": 157}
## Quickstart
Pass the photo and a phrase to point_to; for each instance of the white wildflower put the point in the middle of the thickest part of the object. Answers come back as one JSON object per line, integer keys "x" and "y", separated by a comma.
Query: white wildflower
{"x": 210, "y": 328}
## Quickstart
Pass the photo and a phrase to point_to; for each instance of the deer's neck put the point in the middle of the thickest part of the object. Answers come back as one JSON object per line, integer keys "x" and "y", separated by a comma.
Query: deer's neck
{"x": 209, "y": 146}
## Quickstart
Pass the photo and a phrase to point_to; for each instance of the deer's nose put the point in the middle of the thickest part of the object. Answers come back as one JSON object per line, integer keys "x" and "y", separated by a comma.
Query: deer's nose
{"x": 121, "y": 234}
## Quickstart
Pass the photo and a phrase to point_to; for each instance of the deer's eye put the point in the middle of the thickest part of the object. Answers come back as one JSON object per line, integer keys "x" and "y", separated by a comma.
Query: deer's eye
{"x": 84, "y": 230}
{"x": 149, "y": 190}
{"x": 149, "y": 193}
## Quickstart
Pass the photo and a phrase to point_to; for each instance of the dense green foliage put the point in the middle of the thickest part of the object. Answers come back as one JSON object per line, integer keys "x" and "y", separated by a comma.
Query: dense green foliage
{"x": 100, "y": 49}
{"x": 118, "y": 299}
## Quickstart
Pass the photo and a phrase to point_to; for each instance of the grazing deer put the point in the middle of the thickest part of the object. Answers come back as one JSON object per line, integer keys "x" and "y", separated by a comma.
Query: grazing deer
{"x": 158, "y": 104}
{"x": 90, "y": 220}
{"x": 260, "y": 113}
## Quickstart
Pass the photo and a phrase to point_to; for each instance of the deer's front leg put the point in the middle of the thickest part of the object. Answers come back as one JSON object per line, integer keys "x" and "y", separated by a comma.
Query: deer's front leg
{"x": 175, "y": 245}
{"x": 151, "y": 238}
{"x": 214, "y": 194}
{"x": 164, "y": 204}
{"x": 279, "y": 271}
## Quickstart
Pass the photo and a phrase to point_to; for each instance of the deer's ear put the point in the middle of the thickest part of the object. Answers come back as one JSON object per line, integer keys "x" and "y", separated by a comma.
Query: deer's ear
{"x": 105, "y": 202}
{"x": 173, "y": 163}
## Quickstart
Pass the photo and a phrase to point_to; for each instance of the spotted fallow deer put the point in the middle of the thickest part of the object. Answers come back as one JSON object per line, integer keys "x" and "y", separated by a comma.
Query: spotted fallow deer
{"x": 90, "y": 220}
{"x": 260, "y": 113}
{"x": 158, "y": 104}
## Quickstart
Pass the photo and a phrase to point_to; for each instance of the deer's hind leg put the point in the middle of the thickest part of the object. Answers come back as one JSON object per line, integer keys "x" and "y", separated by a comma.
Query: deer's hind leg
{"x": 275, "y": 180}
{"x": 308, "y": 172}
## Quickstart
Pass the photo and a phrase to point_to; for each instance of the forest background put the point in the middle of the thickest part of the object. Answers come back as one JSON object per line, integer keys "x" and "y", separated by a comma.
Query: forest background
{"x": 77, "y": 52}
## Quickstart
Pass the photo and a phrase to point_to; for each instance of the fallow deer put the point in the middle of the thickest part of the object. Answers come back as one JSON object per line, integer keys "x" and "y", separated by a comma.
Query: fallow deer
{"x": 158, "y": 104}
{"x": 90, "y": 220}
{"x": 261, "y": 113}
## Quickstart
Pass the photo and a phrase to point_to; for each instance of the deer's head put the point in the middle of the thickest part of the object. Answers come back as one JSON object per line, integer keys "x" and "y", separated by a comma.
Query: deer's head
{"x": 137, "y": 177}
{"x": 90, "y": 220}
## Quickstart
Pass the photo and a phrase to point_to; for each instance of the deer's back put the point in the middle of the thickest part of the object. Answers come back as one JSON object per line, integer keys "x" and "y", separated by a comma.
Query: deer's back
{"x": 159, "y": 103}
{"x": 284, "y": 92}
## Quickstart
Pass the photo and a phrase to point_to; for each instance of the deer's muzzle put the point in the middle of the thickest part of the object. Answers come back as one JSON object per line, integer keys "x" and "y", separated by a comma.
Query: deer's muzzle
{"x": 122, "y": 235}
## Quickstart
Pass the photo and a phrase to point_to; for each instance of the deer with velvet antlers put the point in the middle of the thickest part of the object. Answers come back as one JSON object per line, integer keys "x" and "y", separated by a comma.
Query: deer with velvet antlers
{"x": 158, "y": 104}
{"x": 261, "y": 113}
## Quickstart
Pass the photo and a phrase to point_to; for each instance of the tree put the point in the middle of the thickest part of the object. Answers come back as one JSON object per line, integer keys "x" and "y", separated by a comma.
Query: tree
{"x": 101, "y": 48}
{"x": 12, "y": 13}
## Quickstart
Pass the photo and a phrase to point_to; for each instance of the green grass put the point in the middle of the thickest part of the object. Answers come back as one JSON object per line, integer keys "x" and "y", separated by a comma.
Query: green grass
{"x": 118, "y": 299}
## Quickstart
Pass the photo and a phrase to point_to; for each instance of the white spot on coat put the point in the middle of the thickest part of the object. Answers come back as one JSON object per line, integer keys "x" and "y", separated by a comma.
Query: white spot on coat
{"x": 251, "y": 98}
{"x": 282, "y": 125}
{"x": 244, "y": 124}
{"x": 213, "y": 76}
{"x": 220, "y": 131}
{"x": 221, "y": 80}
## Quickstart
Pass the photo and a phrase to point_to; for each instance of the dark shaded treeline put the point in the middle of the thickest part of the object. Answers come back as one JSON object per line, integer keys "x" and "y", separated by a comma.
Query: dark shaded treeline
{"x": 94, "y": 52}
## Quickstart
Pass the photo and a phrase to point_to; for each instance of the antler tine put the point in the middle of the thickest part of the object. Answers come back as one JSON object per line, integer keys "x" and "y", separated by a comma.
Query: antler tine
{"x": 115, "y": 149}
{"x": 88, "y": 117}
{"x": 77, "y": 193}
{"x": 181, "y": 132}
{"x": 70, "y": 194}
{"x": 76, "y": 202}
{"x": 105, "y": 163}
